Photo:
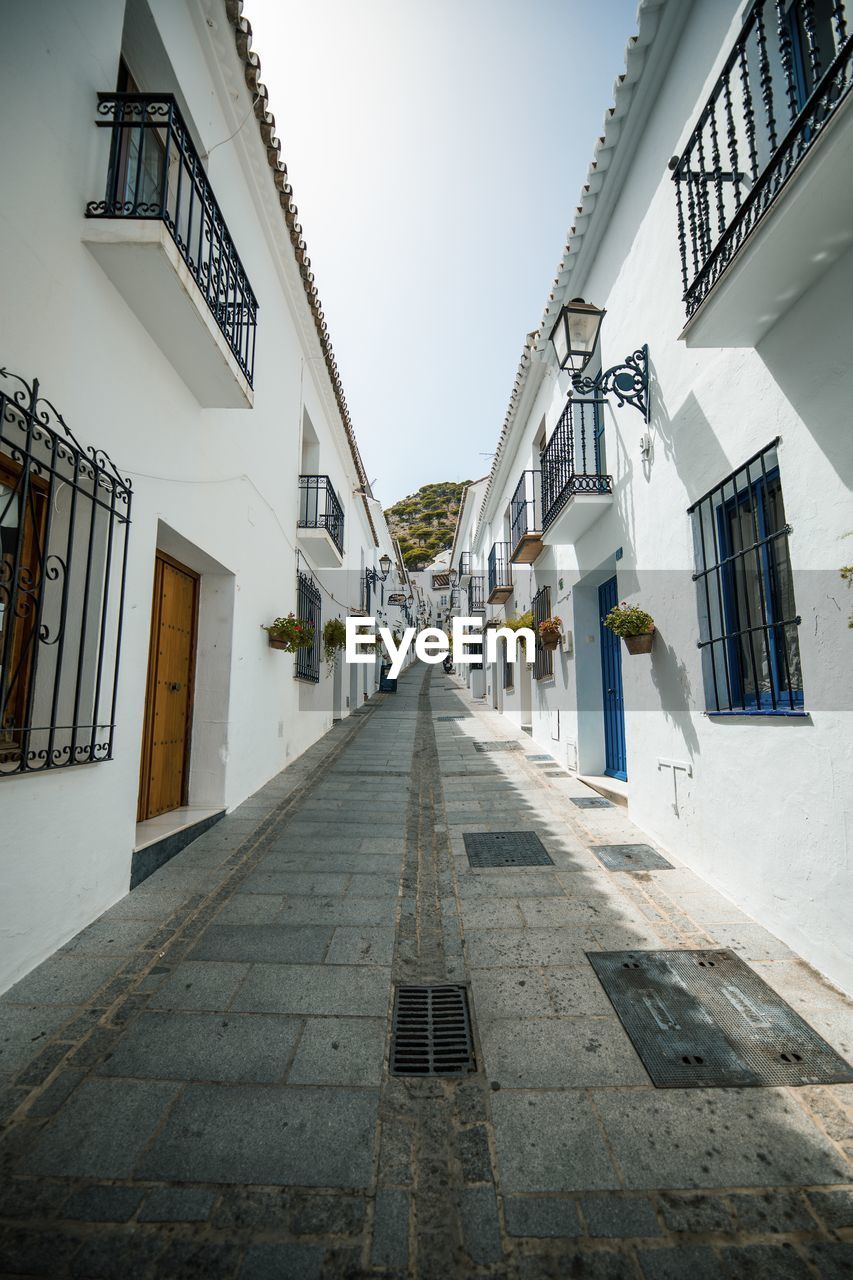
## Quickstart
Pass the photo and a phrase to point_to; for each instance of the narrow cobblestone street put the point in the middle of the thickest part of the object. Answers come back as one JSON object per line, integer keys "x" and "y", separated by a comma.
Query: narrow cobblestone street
{"x": 198, "y": 1084}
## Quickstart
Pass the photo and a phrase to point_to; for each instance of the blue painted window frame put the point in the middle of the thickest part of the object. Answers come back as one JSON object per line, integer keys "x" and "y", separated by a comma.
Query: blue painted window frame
{"x": 776, "y": 698}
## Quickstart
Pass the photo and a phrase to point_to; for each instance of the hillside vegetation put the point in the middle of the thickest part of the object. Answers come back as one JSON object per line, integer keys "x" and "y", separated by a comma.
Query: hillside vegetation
{"x": 424, "y": 522}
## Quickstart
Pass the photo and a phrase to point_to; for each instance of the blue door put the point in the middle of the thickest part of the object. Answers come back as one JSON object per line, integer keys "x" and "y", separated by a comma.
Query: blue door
{"x": 611, "y": 683}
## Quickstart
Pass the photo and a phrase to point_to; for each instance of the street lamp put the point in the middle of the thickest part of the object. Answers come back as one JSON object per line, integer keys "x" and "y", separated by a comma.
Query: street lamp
{"x": 373, "y": 577}
{"x": 574, "y": 338}
{"x": 452, "y": 576}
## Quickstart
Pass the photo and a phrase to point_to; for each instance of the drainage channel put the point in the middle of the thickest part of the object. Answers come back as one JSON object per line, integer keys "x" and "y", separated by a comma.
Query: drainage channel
{"x": 432, "y": 1101}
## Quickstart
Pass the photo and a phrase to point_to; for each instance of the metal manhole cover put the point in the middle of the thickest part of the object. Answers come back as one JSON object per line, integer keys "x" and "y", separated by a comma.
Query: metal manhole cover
{"x": 498, "y": 746}
{"x": 591, "y": 802}
{"x": 506, "y": 849}
{"x": 704, "y": 1019}
{"x": 431, "y": 1032}
{"x": 630, "y": 857}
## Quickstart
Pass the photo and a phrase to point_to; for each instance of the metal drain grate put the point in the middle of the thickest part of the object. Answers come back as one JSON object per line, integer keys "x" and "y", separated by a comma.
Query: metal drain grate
{"x": 630, "y": 857}
{"x": 538, "y": 758}
{"x": 498, "y": 746}
{"x": 591, "y": 802}
{"x": 459, "y": 717}
{"x": 431, "y": 1032}
{"x": 703, "y": 1019}
{"x": 506, "y": 849}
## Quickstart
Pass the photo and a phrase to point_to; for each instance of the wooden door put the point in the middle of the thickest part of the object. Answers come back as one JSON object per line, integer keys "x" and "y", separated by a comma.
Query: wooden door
{"x": 168, "y": 701}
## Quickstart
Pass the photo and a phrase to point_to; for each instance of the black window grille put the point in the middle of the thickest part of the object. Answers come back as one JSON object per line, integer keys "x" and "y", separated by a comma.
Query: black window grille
{"x": 476, "y": 594}
{"x": 508, "y": 667}
{"x": 319, "y": 508}
{"x": 748, "y": 618}
{"x": 499, "y": 570}
{"x": 155, "y": 172}
{"x": 525, "y": 508}
{"x": 543, "y": 660}
{"x": 64, "y": 519}
{"x": 788, "y": 74}
{"x": 465, "y": 564}
{"x": 573, "y": 460}
{"x": 308, "y": 609}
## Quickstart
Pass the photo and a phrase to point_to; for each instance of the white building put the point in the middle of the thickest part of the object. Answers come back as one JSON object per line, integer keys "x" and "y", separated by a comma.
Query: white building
{"x": 724, "y": 511}
{"x": 157, "y": 287}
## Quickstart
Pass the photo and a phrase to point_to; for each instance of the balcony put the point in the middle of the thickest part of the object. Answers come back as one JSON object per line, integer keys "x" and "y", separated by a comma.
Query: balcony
{"x": 476, "y": 594}
{"x": 764, "y": 186}
{"x": 464, "y": 568}
{"x": 321, "y": 522}
{"x": 525, "y": 518}
{"x": 500, "y": 574}
{"x": 160, "y": 236}
{"x": 575, "y": 489}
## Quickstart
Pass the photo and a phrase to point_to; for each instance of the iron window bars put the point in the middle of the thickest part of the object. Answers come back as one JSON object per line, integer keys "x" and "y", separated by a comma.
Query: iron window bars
{"x": 465, "y": 564}
{"x": 508, "y": 668}
{"x": 319, "y": 508}
{"x": 499, "y": 568}
{"x": 573, "y": 460}
{"x": 476, "y": 595}
{"x": 525, "y": 508}
{"x": 790, "y": 70}
{"x": 543, "y": 660}
{"x": 64, "y": 520}
{"x": 155, "y": 172}
{"x": 748, "y": 619}
{"x": 308, "y": 608}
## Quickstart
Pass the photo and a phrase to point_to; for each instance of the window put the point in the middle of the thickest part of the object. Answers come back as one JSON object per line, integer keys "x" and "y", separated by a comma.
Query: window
{"x": 543, "y": 662}
{"x": 308, "y": 610}
{"x": 748, "y": 618}
{"x": 64, "y": 516}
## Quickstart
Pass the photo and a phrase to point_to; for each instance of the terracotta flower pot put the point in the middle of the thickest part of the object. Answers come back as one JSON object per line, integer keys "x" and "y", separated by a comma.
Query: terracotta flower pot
{"x": 641, "y": 643}
{"x": 550, "y": 639}
{"x": 278, "y": 644}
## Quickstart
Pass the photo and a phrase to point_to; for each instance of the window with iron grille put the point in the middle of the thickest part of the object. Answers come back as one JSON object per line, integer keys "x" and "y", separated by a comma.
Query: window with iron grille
{"x": 747, "y": 615}
{"x": 64, "y": 519}
{"x": 543, "y": 662}
{"x": 508, "y": 667}
{"x": 308, "y": 602}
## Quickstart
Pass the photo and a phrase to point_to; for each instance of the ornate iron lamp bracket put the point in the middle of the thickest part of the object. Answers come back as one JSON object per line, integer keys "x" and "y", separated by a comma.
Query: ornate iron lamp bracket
{"x": 628, "y": 382}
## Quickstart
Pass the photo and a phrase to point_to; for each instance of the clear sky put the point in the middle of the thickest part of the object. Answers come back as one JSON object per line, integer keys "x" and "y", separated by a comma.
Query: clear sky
{"x": 436, "y": 150}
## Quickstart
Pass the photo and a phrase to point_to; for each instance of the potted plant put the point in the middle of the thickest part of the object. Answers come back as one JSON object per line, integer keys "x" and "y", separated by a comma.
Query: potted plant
{"x": 334, "y": 638}
{"x": 290, "y": 634}
{"x": 634, "y": 625}
{"x": 550, "y": 631}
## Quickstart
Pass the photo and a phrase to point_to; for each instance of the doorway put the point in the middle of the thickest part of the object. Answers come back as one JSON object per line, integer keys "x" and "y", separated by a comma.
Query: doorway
{"x": 615, "y": 759}
{"x": 164, "y": 773}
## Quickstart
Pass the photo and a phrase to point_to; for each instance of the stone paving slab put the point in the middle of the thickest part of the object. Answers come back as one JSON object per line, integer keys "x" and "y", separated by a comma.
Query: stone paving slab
{"x": 205, "y": 1069}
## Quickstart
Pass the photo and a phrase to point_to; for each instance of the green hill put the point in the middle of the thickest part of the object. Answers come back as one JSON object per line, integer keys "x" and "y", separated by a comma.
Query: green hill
{"x": 424, "y": 522}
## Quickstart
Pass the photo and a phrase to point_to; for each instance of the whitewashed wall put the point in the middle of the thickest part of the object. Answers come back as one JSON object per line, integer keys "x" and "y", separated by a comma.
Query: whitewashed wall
{"x": 766, "y": 816}
{"x": 216, "y": 487}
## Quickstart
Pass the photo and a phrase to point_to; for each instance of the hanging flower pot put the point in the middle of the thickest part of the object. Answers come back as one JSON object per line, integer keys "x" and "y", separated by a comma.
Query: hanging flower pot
{"x": 641, "y": 643}
{"x": 550, "y": 632}
{"x": 290, "y": 634}
{"x": 634, "y": 625}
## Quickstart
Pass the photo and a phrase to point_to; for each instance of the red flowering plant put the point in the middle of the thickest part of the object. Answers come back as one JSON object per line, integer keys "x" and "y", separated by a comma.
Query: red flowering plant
{"x": 290, "y": 633}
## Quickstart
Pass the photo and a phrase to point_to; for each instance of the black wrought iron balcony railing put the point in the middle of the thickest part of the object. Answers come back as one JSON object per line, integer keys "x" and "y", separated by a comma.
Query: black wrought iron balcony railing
{"x": 525, "y": 507}
{"x": 476, "y": 594}
{"x": 789, "y": 72}
{"x": 573, "y": 459}
{"x": 155, "y": 172}
{"x": 319, "y": 508}
{"x": 499, "y": 570}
